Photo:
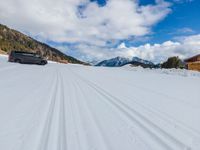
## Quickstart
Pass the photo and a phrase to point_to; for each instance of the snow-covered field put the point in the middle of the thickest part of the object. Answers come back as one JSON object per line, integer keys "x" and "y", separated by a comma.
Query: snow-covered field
{"x": 74, "y": 107}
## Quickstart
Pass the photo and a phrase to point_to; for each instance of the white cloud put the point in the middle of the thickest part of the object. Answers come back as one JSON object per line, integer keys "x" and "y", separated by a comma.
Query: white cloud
{"x": 92, "y": 26}
{"x": 185, "y": 47}
{"x": 183, "y": 1}
{"x": 185, "y": 30}
{"x": 61, "y": 21}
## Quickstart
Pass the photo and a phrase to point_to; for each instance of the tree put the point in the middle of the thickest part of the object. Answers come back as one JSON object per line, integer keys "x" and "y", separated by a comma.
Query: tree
{"x": 173, "y": 62}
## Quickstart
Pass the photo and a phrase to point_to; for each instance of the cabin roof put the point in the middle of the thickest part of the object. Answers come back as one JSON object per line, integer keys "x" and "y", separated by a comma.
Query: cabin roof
{"x": 191, "y": 59}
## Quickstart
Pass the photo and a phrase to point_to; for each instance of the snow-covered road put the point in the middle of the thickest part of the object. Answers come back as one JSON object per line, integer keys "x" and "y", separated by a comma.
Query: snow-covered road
{"x": 73, "y": 107}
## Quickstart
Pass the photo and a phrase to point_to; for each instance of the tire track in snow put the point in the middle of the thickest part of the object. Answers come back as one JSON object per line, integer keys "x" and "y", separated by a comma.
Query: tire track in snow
{"x": 170, "y": 97}
{"x": 62, "y": 128}
{"x": 160, "y": 135}
{"x": 73, "y": 110}
{"x": 161, "y": 115}
{"x": 53, "y": 134}
{"x": 29, "y": 130}
{"x": 113, "y": 111}
{"x": 94, "y": 123}
{"x": 163, "y": 138}
{"x": 77, "y": 120}
{"x": 21, "y": 126}
{"x": 187, "y": 132}
{"x": 73, "y": 119}
{"x": 132, "y": 135}
{"x": 43, "y": 140}
{"x": 166, "y": 117}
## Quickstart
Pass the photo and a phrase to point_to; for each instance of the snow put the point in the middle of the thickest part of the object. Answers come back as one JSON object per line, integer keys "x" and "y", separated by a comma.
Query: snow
{"x": 179, "y": 72}
{"x": 75, "y": 107}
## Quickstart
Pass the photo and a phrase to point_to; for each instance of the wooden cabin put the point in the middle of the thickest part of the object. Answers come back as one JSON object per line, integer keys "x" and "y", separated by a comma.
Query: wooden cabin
{"x": 193, "y": 63}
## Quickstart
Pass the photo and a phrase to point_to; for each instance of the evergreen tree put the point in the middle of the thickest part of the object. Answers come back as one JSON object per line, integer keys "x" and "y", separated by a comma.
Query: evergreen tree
{"x": 173, "y": 62}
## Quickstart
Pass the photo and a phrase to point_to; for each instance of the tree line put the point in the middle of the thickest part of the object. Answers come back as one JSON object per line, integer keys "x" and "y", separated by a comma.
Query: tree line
{"x": 173, "y": 62}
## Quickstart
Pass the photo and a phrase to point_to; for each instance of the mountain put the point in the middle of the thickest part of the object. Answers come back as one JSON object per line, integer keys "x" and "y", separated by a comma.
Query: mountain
{"x": 121, "y": 61}
{"x": 93, "y": 62}
{"x": 13, "y": 40}
{"x": 136, "y": 59}
{"x": 114, "y": 62}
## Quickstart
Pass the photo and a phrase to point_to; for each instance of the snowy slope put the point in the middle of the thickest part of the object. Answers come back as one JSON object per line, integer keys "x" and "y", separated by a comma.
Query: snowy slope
{"x": 74, "y": 107}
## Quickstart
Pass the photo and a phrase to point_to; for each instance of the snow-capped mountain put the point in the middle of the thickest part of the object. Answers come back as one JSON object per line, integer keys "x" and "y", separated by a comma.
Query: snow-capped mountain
{"x": 136, "y": 59}
{"x": 93, "y": 62}
{"x": 114, "y": 62}
{"x": 121, "y": 61}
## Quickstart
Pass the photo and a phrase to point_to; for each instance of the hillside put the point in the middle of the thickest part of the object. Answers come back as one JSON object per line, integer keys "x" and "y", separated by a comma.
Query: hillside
{"x": 13, "y": 40}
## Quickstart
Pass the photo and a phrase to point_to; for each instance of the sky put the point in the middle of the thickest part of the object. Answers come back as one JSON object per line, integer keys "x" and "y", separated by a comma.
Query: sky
{"x": 94, "y": 30}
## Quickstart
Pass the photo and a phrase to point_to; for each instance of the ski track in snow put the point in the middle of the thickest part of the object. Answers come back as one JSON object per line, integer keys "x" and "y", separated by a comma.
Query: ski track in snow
{"x": 74, "y": 107}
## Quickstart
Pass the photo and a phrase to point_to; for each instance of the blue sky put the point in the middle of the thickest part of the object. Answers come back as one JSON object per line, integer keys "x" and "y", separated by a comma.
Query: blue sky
{"x": 101, "y": 29}
{"x": 184, "y": 15}
{"x": 183, "y": 20}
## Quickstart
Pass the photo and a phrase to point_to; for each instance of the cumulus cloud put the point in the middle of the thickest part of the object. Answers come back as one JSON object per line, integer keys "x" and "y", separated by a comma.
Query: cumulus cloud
{"x": 183, "y": 1}
{"x": 88, "y": 27}
{"x": 185, "y": 31}
{"x": 81, "y": 20}
{"x": 184, "y": 47}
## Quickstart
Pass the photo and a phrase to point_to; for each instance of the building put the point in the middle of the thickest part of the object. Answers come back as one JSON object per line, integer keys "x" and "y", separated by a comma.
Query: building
{"x": 193, "y": 63}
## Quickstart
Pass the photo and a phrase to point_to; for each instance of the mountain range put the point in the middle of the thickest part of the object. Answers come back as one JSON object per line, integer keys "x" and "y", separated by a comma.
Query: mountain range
{"x": 121, "y": 61}
{"x": 14, "y": 40}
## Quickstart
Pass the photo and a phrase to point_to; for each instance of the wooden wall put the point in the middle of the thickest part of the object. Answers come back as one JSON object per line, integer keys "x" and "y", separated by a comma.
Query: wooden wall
{"x": 194, "y": 66}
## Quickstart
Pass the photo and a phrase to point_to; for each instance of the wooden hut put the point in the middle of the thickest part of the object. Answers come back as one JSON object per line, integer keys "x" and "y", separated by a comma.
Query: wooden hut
{"x": 193, "y": 63}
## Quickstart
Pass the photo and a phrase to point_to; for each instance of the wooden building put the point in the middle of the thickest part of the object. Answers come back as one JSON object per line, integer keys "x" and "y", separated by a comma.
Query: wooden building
{"x": 193, "y": 63}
